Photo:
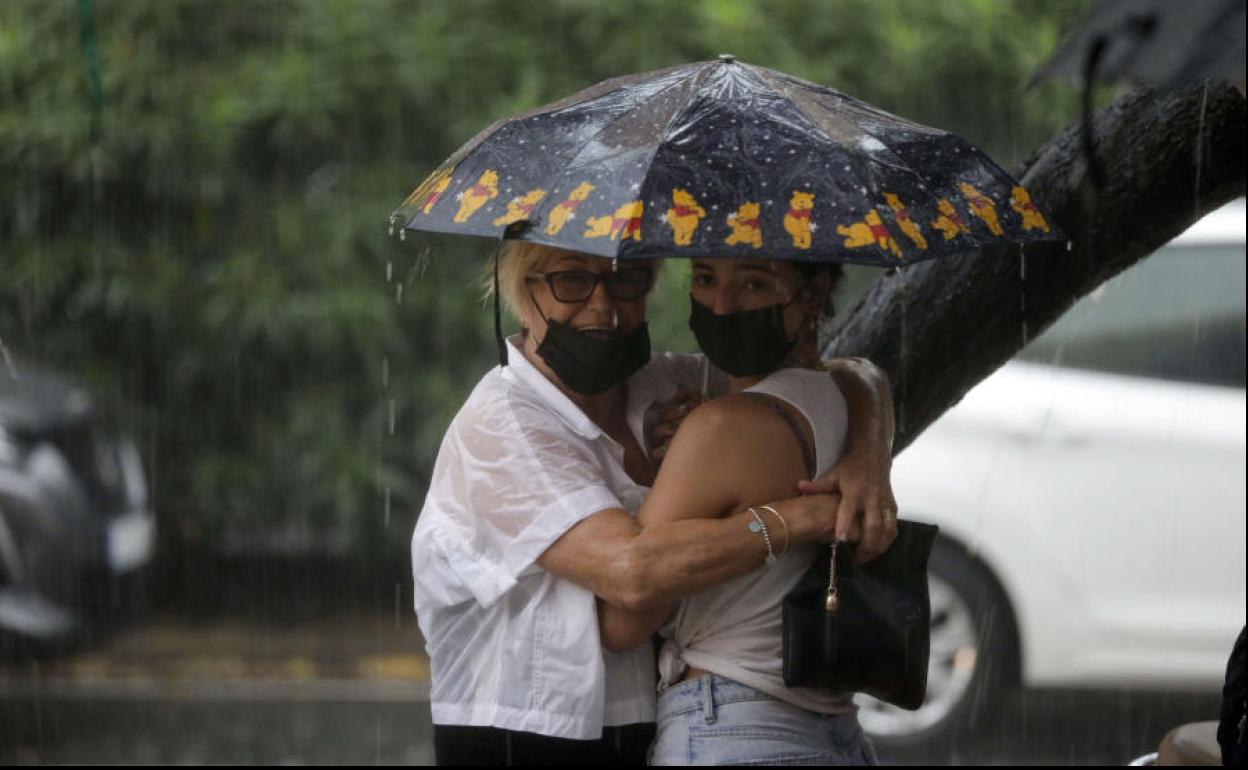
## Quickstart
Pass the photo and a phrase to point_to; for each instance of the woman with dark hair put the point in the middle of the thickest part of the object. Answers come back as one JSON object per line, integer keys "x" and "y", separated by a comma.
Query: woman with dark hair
{"x": 723, "y": 699}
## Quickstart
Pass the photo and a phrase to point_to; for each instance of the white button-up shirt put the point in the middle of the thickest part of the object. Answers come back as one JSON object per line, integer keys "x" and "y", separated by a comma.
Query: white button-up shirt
{"x": 510, "y": 645}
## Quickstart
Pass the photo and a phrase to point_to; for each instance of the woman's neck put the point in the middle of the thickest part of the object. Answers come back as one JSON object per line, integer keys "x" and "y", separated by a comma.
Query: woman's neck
{"x": 804, "y": 355}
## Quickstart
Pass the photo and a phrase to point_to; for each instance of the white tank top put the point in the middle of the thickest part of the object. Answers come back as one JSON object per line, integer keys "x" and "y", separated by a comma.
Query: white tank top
{"x": 735, "y": 629}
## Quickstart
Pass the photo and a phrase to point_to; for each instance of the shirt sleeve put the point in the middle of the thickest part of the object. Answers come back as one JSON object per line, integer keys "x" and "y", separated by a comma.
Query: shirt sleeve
{"x": 510, "y": 479}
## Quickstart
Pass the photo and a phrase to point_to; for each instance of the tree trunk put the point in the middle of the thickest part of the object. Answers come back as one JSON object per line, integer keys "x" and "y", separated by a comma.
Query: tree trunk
{"x": 940, "y": 327}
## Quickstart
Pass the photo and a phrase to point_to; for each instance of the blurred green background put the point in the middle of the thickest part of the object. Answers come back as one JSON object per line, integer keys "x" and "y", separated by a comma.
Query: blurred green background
{"x": 204, "y": 243}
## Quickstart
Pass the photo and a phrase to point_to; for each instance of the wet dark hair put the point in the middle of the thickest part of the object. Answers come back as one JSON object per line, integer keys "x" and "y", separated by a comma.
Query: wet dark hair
{"x": 809, "y": 271}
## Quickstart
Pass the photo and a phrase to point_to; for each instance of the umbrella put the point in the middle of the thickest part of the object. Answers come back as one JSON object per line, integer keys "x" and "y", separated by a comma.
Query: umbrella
{"x": 1159, "y": 42}
{"x": 722, "y": 158}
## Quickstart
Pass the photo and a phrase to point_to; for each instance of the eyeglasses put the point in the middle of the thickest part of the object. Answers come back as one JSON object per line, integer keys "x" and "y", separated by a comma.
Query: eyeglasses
{"x": 577, "y": 285}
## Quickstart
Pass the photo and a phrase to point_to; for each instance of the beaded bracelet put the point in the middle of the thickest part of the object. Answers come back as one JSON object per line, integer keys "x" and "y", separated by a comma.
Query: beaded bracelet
{"x": 758, "y": 525}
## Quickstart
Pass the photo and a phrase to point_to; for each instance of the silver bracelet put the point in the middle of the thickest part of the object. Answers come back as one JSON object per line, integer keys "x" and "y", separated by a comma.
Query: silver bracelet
{"x": 787, "y": 537}
{"x": 758, "y": 525}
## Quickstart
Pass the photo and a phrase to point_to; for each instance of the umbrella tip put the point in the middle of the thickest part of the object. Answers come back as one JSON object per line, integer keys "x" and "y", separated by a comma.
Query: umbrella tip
{"x": 727, "y": 58}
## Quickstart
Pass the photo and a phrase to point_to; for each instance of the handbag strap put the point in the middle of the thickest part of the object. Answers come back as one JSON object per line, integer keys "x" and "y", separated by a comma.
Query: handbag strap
{"x": 807, "y": 456}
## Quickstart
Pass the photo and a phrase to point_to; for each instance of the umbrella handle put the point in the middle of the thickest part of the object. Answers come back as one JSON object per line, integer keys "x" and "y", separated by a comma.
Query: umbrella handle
{"x": 498, "y": 316}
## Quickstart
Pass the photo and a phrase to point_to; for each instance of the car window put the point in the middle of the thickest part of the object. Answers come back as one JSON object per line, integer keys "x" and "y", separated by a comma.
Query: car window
{"x": 1178, "y": 315}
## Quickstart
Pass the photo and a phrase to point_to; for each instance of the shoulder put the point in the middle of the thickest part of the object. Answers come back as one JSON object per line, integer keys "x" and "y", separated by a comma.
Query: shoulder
{"x": 727, "y": 452}
{"x": 502, "y": 407}
{"x": 729, "y": 420}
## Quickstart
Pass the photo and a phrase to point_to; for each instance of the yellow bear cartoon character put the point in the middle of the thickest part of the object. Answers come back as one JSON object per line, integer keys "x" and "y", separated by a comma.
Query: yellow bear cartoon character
{"x": 565, "y": 209}
{"x": 426, "y": 196}
{"x": 797, "y": 219}
{"x": 949, "y": 221}
{"x": 520, "y": 207}
{"x": 684, "y": 216}
{"x": 869, "y": 232}
{"x": 478, "y": 195}
{"x": 905, "y": 221}
{"x": 982, "y": 207}
{"x": 436, "y": 195}
{"x": 1020, "y": 201}
{"x": 625, "y": 223}
{"x": 744, "y": 224}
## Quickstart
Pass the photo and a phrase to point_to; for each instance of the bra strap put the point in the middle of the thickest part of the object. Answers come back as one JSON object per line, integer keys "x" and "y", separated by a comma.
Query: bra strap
{"x": 807, "y": 456}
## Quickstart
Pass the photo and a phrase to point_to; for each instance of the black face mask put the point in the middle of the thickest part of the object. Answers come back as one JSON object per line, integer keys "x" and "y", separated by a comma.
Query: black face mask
{"x": 590, "y": 365}
{"x": 748, "y": 343}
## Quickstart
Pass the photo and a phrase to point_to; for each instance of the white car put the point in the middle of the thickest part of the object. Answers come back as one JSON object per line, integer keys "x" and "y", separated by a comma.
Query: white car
{"x": 1090, "y": 496}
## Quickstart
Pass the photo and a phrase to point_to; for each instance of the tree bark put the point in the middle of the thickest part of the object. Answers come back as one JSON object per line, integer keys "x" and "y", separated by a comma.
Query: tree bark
{"x": 940, "y": 327}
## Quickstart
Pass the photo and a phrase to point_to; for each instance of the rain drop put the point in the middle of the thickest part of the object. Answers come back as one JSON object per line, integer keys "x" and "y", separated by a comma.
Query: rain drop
{"x": 392, "y": 417}
{"x": 1070, "y": 245}
{"x": 389, "y": 271}
{"x": 398, "y": 293}
{"x": 387, "y": 508}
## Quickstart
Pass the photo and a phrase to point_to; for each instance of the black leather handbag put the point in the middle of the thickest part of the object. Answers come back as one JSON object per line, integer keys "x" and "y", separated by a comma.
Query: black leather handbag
{"x": 863, "y": 627}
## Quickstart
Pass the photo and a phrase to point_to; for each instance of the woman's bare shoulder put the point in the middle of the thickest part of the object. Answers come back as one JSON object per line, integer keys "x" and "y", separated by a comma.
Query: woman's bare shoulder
{"x": 727, "y": 416}
{"x": 732, "y": 431}
{"x": 735, "y": 450}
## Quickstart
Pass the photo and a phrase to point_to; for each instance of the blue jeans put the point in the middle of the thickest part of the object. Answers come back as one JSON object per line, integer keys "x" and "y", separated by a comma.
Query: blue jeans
{"x": 716, "y": 721}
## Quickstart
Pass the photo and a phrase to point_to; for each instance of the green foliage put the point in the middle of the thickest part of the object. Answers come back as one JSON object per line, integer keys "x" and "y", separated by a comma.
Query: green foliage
{"x": 216, "y": 265}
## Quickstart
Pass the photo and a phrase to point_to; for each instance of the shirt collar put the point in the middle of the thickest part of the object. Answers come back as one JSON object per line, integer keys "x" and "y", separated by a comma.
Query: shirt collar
{"x": 520, "y": 370}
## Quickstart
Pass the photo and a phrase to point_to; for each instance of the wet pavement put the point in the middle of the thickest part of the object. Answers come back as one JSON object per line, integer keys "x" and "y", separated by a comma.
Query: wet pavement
{"x": 342, "y": 690}
{"x": 353, "y": 689}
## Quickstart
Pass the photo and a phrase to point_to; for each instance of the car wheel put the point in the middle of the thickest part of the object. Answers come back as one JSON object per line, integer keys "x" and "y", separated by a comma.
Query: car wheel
{"x": 974, "y": 655}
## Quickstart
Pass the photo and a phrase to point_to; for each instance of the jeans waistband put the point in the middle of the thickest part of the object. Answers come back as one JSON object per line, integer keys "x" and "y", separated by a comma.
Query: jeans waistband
{"x": 704, "y": 693}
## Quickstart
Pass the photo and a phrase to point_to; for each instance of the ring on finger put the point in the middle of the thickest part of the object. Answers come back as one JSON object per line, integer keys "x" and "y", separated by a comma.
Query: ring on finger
{"x": 889, "y": 514}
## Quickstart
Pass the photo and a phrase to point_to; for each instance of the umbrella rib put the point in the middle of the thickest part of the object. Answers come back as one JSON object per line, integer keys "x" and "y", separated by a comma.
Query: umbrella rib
{"x": 899, "y": 164}
{"x": 657, "y": 94}
{"x": 662, "y": 136}
{"x": 599, "y": 90}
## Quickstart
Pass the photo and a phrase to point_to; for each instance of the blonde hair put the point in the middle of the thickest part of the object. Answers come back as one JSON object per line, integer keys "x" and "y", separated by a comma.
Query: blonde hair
{"x": 516, "y": 261}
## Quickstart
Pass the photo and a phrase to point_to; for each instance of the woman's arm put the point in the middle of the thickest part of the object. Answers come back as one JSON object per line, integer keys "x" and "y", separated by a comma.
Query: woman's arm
{"x": 861, "y": 477}
{"x": 687, "y": 544}
{"x": 610, "y": 554}
{"x": 639, "y": 574}
{"x": 726, "y": 453}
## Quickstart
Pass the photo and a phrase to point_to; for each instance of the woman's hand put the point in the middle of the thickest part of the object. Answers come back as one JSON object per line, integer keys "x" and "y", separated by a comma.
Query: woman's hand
{"x": 861, "y": 477}
{"x": 867, "y": 509}
{"x": 671, "y": 415}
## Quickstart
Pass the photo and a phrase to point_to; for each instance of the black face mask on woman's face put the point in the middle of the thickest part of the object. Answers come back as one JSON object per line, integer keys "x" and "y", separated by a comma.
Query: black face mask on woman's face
{"x": 590, "y": 364}
{"x": 748, "y": 343}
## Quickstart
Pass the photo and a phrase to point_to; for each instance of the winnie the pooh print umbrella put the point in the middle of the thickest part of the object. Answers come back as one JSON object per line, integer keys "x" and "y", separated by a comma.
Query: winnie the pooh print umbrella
{"x": 722, "y": 159}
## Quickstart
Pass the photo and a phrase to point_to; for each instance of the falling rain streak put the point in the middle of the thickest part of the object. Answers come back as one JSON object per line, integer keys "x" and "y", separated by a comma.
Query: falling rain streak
{"x": 1022, "y": 291}
{"x": 8, "y": 359}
